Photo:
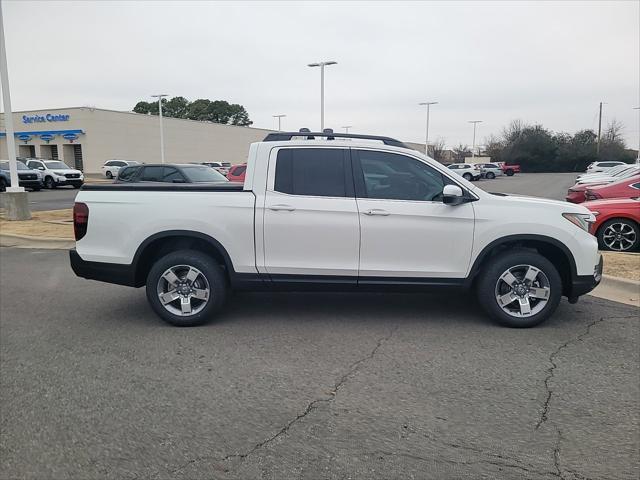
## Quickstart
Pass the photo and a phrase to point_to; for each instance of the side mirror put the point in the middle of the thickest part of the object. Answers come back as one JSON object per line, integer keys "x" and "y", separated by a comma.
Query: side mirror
{"x": 452, "y": 195}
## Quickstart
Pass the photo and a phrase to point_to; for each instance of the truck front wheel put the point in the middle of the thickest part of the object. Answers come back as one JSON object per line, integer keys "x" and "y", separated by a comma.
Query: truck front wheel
{"x": 185, "y": 288}
{"x": 519, "y": 289}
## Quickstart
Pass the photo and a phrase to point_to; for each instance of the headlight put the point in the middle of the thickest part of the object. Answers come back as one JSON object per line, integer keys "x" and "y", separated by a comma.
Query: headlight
{"x": 580, "y": 220}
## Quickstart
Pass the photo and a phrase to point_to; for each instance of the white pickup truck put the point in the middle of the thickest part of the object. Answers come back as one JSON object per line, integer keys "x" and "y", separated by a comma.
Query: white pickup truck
{"x": 337, "y": 212}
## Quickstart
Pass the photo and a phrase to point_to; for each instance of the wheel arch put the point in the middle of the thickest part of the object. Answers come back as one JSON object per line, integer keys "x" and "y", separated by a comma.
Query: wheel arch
{"x": 161, "y": 243}
{"x": 550, "y": 248}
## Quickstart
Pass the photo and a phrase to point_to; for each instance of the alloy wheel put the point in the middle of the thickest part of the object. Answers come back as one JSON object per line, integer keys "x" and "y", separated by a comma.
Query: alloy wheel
{"x": 183, "y": 290}
{"x": 619, "y": 237}
{"x": 523, "y": 291}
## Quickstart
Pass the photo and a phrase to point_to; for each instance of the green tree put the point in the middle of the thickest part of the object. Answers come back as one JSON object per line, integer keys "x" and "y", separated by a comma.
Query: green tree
{"x": 202, "y": 109}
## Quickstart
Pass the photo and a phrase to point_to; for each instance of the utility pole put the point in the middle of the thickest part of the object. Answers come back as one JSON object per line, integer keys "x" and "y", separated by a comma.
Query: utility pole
{"x": 17, "y": 202}
{"x": 599, "y": 131}
{"x": 160, "y": 96}
{"x": 279, "y": 117}
{"x": 322, "y": 65}
{"x": 426, "y": 141}
{"x": 473, "y": 149}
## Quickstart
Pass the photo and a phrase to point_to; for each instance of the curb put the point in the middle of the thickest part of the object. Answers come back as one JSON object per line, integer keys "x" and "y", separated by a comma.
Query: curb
{"x": 26, "y": 241}
{"x": 619, "y": 290}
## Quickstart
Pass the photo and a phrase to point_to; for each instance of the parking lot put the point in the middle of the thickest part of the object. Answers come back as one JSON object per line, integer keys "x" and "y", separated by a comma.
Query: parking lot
{"x": 94, "y": 385}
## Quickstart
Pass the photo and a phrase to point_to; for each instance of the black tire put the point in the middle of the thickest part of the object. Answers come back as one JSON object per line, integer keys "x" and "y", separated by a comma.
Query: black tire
{"x": 35, "y": 189}
{"x": 76, "y": 186}
{"x": 631, "y": 230}
{"x": 468, "y": 177}
{"x": 490, "y": 175}
{"x": 208, "y": 268}
{"x": 3, "y": 185}
{"x": 489, "y": 285}
{"x": 109, "y": 174}
{"x": 509, "y": 172}
{"x": 49, "y": 183}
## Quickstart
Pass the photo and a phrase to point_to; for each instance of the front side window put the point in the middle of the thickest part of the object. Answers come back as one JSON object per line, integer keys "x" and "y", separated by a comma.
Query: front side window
{"x": 171, "y": 174}
{"x": 393, "y": 176}
{"x": 320, "y": 172}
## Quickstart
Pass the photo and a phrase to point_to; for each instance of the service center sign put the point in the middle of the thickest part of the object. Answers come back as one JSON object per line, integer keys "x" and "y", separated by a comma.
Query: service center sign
{"x": 49, "y": 117}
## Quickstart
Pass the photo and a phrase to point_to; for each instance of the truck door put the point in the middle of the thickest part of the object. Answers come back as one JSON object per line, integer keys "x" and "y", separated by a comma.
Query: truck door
{"x": 310, "y": 223}
{"x": 406, "y": 229}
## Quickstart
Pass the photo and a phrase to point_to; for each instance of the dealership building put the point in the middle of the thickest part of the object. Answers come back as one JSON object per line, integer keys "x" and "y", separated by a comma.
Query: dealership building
{"x": 85, "y": 138}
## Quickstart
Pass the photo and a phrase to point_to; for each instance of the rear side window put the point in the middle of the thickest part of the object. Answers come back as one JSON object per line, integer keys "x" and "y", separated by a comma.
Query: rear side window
{"x": 152, "y": 174}
{"x": 320, "y": 172}
{"x": 171, "y": 174}
{"x": 126, "y": 174}
{"x": 239, "y": 170}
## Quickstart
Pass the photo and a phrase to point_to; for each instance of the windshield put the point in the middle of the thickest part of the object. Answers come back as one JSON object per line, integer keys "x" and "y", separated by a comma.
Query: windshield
{"x": 57, "y": 165}
{"x": 203, "y": 174}
{"x": 21, "y": 166}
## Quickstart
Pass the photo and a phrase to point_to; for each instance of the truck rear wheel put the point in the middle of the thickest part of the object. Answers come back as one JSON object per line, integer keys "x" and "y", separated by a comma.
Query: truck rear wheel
{"x": 519, "y": 289}
{"x": 509, "y": 172}
{"x": 185, "y": 288}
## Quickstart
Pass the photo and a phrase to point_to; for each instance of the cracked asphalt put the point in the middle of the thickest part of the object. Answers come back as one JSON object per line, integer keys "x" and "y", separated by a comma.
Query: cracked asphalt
{"x": 307, "y": 386}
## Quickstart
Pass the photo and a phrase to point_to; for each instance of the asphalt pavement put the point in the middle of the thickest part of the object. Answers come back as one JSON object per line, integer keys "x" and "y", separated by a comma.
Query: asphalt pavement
{"x": 56, "y": 199}
{"x": 312, "y": 386}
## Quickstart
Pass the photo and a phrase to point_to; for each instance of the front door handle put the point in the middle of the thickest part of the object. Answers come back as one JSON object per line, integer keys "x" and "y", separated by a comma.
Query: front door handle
{"x": 287, "y": 208}
{"x": 376, "y": 211}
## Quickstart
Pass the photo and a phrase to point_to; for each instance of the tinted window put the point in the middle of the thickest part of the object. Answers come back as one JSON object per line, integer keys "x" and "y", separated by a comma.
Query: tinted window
{"x": 491, "y": 165}
{"x": 171, "y": 174}
{"x": 202, "y": 173}
{"x": 152, "y": 174}
{"x": 239, "y": 170}
{"x": 636, "y": 185}
{"x": 404, "y": 178}
{"x": 312, "y": 171}
{"x": 126, "y": 174}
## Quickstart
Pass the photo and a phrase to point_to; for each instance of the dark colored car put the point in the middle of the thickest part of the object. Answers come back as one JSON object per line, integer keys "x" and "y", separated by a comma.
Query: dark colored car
{"x": 27, "y": 178}
{"x": 237, "y": 173}
{"x": 169, "y": 173}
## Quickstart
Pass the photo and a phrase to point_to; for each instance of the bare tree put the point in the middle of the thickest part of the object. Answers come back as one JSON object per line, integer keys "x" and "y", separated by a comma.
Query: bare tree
{"x": 436, "y": 149}
{"x": 461, "y": 152}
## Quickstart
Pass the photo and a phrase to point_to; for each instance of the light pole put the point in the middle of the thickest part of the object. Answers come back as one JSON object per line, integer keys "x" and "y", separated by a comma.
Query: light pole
{"x": 322, "y": 65}
{"x": 426, "y": 141}
{"x": 347, "y": 127}
{"x": 160, "y": 96}
{"x": 475, "y": 124}
{"x": 599, "y": 129}
{"x": 279, "y": 117}
{"x": 17, "y": 204}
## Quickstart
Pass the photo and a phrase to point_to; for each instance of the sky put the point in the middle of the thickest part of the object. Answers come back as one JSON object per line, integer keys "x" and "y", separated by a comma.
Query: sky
{"x": 541, "y": 62}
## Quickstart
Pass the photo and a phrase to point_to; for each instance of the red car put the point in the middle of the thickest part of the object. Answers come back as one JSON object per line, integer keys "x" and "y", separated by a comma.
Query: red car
{"x": 627, "y": 188}
{"x": 617, "y": 224}
{"x": 237, "y": 173}
{"x": 576, "y": 193}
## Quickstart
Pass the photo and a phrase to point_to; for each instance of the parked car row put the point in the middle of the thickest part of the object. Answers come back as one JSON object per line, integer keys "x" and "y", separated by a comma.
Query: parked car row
{"x": 611, "y": 190}
{"x": 476, "y": 171}
{"x": 36, "y": 173}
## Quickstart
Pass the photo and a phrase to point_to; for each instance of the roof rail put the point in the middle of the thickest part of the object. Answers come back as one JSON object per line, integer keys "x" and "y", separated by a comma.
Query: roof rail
{"x": 330, "y": 135}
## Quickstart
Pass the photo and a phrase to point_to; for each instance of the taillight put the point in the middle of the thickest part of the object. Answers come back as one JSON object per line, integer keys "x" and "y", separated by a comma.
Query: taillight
{"x": 80, "y": 219}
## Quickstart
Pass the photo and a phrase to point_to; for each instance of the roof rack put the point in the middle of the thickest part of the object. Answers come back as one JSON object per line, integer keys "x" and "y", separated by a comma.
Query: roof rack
{"x": 330, "y": 135}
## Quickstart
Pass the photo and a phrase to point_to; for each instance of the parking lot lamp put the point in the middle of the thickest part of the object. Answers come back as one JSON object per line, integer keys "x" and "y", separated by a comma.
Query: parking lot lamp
{"x": 279, "y": 117}
{"x": 322, "y": 65}
{"x": 426, "y": 141}
{"x": 160, "y": 96}
{"x": 475, "y": 124}
{"x": 17, "y": 204}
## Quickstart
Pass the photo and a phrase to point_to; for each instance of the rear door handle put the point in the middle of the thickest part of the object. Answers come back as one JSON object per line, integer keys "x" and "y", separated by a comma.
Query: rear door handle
{"x": 376, "y": 211}
{"x": 287, "y": 208}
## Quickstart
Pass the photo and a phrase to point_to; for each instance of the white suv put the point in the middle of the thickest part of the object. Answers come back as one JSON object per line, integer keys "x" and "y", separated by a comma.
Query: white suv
{"x": 466, "y": 170}
{"x": 56, "y": 173}
{"x": 602, "y": 166}
{"x": 111, "y": 167}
